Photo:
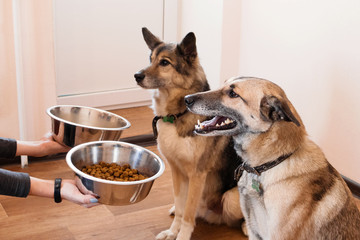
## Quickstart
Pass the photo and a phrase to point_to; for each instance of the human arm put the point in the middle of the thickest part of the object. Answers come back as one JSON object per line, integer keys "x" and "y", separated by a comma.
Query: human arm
{"x": 19, "y": 184}
{"x": 16, "y": 184}
{"x": 7, "y": 147}
{"x": 68, "y": 191}
{"x": 44, "y": 146}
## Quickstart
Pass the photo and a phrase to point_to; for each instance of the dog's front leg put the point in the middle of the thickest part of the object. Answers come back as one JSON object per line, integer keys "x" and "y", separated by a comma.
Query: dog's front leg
{"x": 180, "y": 185}
{"x": 196, "y": 187}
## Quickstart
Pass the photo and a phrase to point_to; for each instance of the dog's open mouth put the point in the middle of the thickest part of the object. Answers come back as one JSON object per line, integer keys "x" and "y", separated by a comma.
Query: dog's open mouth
{"x": 216, "y": 123}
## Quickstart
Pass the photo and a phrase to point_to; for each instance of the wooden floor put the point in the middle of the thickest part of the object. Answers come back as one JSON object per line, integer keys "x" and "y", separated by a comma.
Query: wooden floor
{"x": 42, "y": 219}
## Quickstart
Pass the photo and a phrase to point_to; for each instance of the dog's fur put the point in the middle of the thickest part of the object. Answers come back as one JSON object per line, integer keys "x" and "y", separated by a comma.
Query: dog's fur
{"x": 303, "y": 197}
{"x": 202, "y": 168}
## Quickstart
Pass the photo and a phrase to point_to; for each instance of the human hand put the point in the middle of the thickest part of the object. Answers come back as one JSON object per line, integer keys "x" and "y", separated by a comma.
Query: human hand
{"x": 71, "y": 192}
{"x": 49, "y": 146}
{"x": 43, "y": 147}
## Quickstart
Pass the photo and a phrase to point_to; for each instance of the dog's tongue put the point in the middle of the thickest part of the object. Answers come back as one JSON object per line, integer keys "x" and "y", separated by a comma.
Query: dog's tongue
{"x": 212, "y": 122}
{"x": 216, "y": 123}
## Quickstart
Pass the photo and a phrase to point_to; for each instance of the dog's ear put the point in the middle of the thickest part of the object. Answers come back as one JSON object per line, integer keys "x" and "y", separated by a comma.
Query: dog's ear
{"x": 273, "y": 109}
{"x": 151, "y": 40}
{"x": 187, "y": 47}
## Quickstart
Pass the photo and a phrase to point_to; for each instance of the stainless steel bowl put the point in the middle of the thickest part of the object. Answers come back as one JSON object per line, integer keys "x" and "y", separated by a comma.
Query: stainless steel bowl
{"x": 73, "y": 125}
{"x": 114, "y": 192}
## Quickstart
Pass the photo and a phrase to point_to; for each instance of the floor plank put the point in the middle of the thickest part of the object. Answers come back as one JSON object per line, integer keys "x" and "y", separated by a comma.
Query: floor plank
{"x": 36, "y": 217}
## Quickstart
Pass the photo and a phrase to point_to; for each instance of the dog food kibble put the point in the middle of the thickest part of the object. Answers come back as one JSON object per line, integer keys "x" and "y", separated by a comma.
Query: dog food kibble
{"x": 113, "y": 172}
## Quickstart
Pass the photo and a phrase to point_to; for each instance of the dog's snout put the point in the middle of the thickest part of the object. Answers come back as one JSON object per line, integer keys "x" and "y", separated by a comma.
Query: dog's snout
{"x": 139, "y": 76}
{"x": 189, "y": 100}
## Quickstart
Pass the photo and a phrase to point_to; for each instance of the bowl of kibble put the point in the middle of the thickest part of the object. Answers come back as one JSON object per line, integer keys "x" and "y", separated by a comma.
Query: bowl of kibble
{"x": 119, "y": 173}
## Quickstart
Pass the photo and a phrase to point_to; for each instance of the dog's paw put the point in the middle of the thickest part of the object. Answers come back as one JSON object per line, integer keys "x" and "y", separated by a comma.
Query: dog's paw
{"x": 244, "y": 229}
{"x": 166, "y": 235}
{"x": 183, "y": 236}
{"x": 172, "y": 211}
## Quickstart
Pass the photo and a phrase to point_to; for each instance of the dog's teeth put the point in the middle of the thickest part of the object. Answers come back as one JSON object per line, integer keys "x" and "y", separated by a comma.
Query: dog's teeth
{"x": 222, "y": 124}
{"x": 199, "y": 125}
{"x": 217, "y": 125}
{"x": 228, "y": 121}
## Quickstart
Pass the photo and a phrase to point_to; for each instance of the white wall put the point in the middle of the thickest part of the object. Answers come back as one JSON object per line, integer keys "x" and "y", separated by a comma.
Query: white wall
{"x": 311, "y": 49}
{"x": 8, "y": 93}
{"x": 204, "y": 18}
{"x": 26, "y": 68}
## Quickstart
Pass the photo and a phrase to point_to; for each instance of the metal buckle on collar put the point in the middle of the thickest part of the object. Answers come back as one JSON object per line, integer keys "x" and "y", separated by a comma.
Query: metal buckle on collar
{"x": 251, "y": 170}
{"x": 239, "y": 170}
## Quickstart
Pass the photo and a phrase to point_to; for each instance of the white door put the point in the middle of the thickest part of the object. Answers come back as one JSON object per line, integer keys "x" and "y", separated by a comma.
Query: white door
{"x": 98, "y": 48}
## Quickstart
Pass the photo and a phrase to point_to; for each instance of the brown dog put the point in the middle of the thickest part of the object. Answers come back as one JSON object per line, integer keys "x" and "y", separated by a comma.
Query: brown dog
{"x": 288, "y": 190}
{"x": 202, "y": 167}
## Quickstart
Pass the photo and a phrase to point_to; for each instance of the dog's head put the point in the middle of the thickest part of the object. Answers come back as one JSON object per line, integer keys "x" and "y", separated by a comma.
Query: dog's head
{"x": 243, "y": 105}
{"x": 171, "y": 65}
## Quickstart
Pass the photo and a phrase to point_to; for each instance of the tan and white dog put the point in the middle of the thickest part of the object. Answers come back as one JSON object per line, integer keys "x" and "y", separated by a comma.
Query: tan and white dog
{"x": 288, "y": 190}
{"x": 202, "y": 167}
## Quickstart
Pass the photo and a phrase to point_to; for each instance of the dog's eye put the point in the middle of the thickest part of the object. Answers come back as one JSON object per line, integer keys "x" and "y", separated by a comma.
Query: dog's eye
{"x": 164, "y": 62}
{"x": 233, "y": 94}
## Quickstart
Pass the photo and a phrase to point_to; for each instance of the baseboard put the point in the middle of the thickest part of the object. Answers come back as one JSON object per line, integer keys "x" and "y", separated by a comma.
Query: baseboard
{"x": 354, "y": 186}
{"x": 17, "y": 160}
{"x": 144, "y": 140}
{"x": 6, "y": 161}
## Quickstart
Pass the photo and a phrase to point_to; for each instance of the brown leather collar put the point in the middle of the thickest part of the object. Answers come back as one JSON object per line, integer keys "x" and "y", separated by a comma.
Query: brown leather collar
{"x": 259, "y": 169}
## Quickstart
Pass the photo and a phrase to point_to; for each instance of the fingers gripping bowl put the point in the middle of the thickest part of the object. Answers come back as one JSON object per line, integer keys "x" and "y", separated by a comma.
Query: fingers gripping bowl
{"x": 114, "y": 192}
{"x": 73, "y": 125}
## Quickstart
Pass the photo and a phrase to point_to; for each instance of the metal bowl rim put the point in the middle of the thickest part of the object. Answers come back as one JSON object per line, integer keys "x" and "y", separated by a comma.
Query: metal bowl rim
{"x": 127, "y": 123}
{"x": 80, "y": 173}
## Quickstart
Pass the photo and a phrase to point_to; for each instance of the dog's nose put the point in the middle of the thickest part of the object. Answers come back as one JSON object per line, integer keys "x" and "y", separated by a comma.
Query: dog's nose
{"x": 189, "y": 100}
{"x": 139, "y": 76}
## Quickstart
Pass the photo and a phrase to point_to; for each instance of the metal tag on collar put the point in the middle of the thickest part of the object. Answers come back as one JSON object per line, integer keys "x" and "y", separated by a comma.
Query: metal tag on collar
{"x": 239, "y": 170}
{"x": 169, "y": 118}
{"x": 256, "y": 186}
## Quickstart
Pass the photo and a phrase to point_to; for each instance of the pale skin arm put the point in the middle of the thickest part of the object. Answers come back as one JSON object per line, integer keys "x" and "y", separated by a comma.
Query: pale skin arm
{"x": 68, "y": 191}
{"x": 43, "y": 147}
{"x": 45, "y": 188}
